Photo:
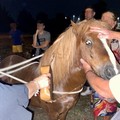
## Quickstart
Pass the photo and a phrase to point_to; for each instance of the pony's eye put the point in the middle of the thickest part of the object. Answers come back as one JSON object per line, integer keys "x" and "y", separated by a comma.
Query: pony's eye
{"x": 89, "y": 42}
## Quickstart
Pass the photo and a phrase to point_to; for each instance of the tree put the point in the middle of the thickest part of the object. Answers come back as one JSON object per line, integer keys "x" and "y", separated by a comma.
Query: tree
{"x": 100, "y": 8}
{"x": 5, "y": 20}
{"x": 26, "y": 22}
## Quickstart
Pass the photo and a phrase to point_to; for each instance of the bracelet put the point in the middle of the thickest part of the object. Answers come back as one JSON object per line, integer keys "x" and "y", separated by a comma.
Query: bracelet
{"x": 37, "y": 85}
{"x": 88, "y": 71}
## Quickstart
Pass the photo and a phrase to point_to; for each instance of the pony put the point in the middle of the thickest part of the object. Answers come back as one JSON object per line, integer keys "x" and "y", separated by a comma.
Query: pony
{"x": 63, "y": 56}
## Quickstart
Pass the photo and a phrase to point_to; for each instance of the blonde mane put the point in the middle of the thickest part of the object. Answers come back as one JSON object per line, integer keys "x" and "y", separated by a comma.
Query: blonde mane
{"x": 60, "y": 56}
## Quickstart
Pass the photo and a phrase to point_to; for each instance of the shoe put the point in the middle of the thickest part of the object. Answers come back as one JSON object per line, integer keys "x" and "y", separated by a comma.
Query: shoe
{"x": 87, "y": 92}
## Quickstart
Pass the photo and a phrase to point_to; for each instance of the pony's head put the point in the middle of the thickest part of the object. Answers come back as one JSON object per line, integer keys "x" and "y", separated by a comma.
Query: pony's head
{"x": 95, "y": 51}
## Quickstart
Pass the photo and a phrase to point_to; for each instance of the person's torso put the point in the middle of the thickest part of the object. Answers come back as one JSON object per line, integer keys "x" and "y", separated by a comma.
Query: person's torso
{"x": 41, "y": 38}
{"x": 16, "y": 37}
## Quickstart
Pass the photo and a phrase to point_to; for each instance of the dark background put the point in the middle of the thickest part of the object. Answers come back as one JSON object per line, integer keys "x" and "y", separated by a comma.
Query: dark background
{"x": 53, "y": 12}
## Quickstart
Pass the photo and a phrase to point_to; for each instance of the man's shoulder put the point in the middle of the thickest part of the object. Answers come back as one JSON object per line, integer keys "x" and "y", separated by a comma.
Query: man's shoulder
{"x": 46, "y": 32}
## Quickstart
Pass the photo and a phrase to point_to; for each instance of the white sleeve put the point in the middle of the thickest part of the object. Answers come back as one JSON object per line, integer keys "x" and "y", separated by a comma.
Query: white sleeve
{"x": 114, "y": 85}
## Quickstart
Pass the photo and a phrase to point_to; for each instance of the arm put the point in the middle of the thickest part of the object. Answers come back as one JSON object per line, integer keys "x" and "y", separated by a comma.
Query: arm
{"x": 115, "y": 35}
{"x": 34, "y": 40}
{"x": 104, "y": 33}
{"x": 100, "y": 85}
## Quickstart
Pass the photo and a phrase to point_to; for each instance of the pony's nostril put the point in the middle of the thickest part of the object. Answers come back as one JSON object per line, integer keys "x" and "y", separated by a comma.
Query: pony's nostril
{"x": 108, "y": 72}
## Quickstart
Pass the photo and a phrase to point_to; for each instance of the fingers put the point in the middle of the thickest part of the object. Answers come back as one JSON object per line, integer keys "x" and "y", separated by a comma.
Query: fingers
{"x": 82, "y": 61}
{"x": 43, "y": 81}
{"x": 96, "y": 29}
{"x": 47, "y": 75}
{"x": 86, "y": 66}
{"x": 102, "y": 33}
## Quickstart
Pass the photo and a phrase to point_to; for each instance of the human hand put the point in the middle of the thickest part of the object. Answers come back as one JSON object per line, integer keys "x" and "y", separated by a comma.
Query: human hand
{"x": 86, "y": 66}
{"x": 102, "y": 33}
{"x": 37, "y": 31}
{"x": 43, "y": 80}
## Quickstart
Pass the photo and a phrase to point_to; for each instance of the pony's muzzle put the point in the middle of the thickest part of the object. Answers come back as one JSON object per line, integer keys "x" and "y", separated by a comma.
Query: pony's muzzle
{"x": 107, "y": 72}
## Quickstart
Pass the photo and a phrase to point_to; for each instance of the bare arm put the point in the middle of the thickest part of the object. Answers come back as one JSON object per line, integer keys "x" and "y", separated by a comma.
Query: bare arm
{"x": 100, "y": 85}
{"x": 115, "y": 35}
{"x": 34, "y": 40}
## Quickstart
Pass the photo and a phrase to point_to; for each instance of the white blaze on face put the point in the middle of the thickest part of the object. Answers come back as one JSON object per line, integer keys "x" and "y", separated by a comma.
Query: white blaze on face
{"x": 111, "y": 55}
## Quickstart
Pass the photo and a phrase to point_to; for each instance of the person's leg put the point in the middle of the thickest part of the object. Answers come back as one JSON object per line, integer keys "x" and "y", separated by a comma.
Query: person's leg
{"x": 14, "y": 49}
{"x": 19, "y": 48}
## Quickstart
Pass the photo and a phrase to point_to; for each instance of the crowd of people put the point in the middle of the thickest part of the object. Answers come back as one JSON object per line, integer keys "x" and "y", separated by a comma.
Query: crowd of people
{"x": 14, "y": 99}
{"x": 14, "y": 109}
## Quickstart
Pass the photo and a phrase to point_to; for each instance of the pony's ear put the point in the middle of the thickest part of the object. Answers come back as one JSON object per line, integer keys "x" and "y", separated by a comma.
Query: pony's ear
{"x": 73, "y": 24}
{"x": 74, "y": 27}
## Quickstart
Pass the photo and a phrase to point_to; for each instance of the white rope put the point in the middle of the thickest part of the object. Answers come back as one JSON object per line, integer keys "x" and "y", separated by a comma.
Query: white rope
{"x": 15, "y": 78}
{"x": 68, "y": 93}
{"x": 22, "y": 81}
{"x": 21, "y": 63}
{"x": 111, "y": 55}
{"x": 18, "y": 69}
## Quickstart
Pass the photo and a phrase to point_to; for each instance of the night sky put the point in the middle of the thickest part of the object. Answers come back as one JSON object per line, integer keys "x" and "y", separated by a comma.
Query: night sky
{"x": 51, "y": 7}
